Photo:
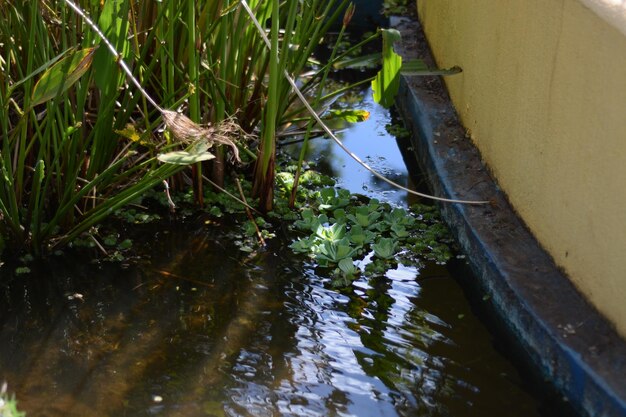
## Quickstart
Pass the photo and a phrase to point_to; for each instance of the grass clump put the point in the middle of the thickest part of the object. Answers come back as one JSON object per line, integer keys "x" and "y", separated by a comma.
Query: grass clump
{"x": 79, "y": 140}
{"x": 85, "y": 94}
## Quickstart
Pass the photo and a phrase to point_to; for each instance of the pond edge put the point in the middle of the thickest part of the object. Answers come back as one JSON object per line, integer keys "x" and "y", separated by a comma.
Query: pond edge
{"x": 570, "y": 345}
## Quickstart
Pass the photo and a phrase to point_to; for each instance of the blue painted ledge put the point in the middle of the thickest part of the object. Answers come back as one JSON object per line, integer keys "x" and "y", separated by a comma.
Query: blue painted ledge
{"x": 565, "y": 339}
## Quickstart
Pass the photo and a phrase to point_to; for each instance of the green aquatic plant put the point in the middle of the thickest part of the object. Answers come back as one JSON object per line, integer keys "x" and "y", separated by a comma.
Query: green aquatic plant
{"x": 376, "y": 234}
{"x": 330, "y": 198}
{"x": 387, "y": 81}
{"x": 309, "y": 221}
{"x": 386, "y": 85}
{"x": 63, "y": 171}
{"x": 318, "y": 99}
{"x": 329, "y": 253}
{"x": 366, "y": 216}
{"x": 385, "y": 248}
{"x": 8, "y": 404}
{"x": 395, "y": 7}
{"x": 398, "y": 130}
{"x": 296, "y": 30}
{"x": 83, "y": 101}
{"x": 331, "y": 233}
{"x": 62, "y": 97}
{"x": 360, "y": 237}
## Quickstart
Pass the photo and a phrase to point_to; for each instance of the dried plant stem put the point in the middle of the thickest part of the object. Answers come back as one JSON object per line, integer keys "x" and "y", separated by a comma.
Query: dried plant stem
{"x": 243, "y": 203}
{"x": 329, "y": 132}
{"x": 170, "y": 202}
{"x": 117, "y": 55}
{"x": 187, "y": 131}
{"x": 182, "y": 127}
{"x": 98, "y": 245}
{"x": 249, "y": 214}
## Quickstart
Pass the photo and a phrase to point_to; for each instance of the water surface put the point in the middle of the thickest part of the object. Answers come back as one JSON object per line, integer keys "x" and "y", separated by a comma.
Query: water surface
{"x": 201, "y": 328}
{"x": 205, "y": 329}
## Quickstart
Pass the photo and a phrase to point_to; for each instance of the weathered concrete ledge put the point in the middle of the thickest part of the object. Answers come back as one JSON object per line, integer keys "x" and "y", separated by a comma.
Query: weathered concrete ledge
{"x": 571, "y": 345}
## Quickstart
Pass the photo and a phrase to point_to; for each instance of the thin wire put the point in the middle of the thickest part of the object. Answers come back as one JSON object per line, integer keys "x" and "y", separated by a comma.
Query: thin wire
{"x": 117, "y": 55}
{"x": 332, "y": 135}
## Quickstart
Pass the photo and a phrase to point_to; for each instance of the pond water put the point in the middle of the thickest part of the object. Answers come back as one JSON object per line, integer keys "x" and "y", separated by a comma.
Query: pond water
{"x": 201, "y": 328}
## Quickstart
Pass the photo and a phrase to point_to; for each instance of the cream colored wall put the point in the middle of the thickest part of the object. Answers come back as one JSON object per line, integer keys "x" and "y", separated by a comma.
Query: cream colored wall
{"x": 543, "y": 94}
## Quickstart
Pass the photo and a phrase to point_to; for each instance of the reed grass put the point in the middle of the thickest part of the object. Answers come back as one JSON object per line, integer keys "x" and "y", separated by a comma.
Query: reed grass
{"x": 71, "y": 157}
{"x": 64, "y": 169}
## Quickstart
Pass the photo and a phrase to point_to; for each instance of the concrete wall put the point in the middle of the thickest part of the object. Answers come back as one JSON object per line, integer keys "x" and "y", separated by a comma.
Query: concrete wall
{"x": 543, "y": 96}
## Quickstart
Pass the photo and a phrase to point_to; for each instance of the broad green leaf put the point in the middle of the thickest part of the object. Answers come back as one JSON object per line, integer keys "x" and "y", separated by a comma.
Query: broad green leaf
{"x": 385, "y": 248}
{"x": 387, "y": 80}
{"x": 346, "y": 265}
{"x": 42, "y": 68}
{"x": 62, "y": 75}
{"x": 364, "y": 61}
{"x": 414, "y": 65}
{"x": 350, "y": 115}
{"x": 419, "y": 67}
{"x": 184, "y": 158}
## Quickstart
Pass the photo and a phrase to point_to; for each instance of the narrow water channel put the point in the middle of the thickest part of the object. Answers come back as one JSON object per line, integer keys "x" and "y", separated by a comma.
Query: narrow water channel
{"x": 201, "y": 328}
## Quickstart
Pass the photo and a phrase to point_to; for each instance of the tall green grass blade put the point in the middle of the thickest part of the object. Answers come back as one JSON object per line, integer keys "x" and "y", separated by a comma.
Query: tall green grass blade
{"x": 113, "y": 21}
{"x": 348, "y": 14}
{"x": 35, "y": 205}
{"x": 127, "y": 195}
{"x": 264, "y": 171}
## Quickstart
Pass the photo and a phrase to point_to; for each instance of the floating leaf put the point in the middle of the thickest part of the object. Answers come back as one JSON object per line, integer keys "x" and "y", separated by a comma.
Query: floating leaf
{"x": 125, "y": 244}
{"x": 385, "y": 248}
{"x": 346, "y": 265}
{"x": 62, "y": 75}
{"x": 332, "y": 252}
{"x": 350, "y": 115}
{"x": 387, "y": 81}
{"x": 184, "y": 158}
{"x": 129, "y": 132}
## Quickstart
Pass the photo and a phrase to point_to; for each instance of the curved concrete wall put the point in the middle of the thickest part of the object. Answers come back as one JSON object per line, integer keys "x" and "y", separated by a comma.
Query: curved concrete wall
{"x": 543, "y": 96}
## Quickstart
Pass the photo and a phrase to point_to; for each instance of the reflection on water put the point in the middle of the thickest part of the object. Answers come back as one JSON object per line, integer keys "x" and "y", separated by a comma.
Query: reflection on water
{"x": 370, "y": 141}
{"x": 204, "y": 329}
